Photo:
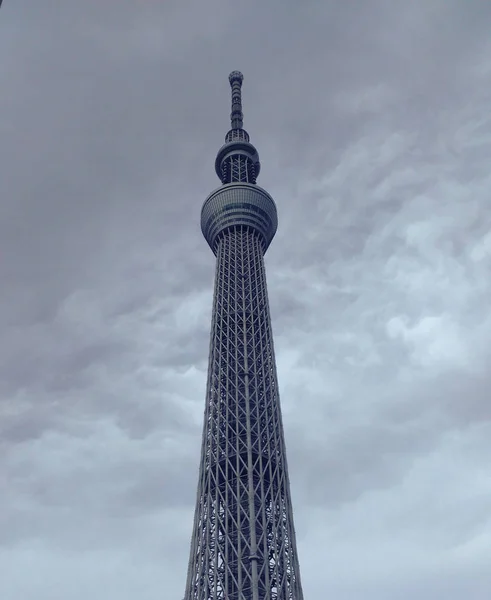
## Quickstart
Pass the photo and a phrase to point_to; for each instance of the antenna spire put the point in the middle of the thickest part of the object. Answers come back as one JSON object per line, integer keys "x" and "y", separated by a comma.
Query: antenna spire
{"x": 237, "y": 160}
{"x": 236, "y": 117}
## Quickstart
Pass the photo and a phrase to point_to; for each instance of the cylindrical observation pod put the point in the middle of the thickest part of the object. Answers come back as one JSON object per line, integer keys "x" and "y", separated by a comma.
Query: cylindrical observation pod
{"x": 237, "y": 204}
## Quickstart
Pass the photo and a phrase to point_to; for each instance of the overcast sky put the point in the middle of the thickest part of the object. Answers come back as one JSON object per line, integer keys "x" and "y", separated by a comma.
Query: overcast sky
{"x": 372, "y": 121}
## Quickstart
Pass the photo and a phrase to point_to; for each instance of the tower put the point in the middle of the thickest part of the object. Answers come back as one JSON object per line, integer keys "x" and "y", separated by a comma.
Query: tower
{"x": 243, "y": 542}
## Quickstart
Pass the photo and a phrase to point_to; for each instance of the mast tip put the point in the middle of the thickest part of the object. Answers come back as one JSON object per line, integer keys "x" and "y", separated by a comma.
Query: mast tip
{"x": 235, "y": 76}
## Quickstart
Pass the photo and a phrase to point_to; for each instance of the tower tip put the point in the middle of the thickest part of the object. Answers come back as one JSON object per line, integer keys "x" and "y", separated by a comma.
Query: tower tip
{"x": 236, "y": 117}
{"x": 235, "y": 76}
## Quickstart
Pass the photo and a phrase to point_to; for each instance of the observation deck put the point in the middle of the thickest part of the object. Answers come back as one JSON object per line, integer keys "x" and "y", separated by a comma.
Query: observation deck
{"x": 236, "y": 204}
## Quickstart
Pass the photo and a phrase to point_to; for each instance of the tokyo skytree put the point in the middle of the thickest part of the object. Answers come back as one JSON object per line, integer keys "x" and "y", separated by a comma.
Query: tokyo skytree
{"x": 243, "y": 543}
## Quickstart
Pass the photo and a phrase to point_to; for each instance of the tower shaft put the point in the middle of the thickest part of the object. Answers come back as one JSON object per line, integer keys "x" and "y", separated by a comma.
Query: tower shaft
{"x": 243, "y": 542}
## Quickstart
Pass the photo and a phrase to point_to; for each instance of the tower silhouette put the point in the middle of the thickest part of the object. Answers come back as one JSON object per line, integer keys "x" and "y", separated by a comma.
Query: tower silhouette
{"x": 243, "y": 542}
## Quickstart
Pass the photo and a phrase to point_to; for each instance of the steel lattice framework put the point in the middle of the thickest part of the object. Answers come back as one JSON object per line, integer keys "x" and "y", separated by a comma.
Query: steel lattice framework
{"x": 243, "y": 543}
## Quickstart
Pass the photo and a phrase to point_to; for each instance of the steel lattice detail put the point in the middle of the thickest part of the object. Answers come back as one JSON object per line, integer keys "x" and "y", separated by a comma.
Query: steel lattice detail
{"x": 243, "y": 543}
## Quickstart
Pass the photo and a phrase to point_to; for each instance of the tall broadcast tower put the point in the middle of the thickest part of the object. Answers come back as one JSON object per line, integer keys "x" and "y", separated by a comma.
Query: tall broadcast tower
{"x": 243, "y": 543}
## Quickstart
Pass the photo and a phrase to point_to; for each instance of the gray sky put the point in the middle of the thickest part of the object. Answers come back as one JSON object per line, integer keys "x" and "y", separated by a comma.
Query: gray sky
{"x": 373, "y": 126}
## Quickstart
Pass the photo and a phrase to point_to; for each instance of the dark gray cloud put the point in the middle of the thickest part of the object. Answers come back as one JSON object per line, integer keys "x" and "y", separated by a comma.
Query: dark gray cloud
{"x": 372, "y": 123}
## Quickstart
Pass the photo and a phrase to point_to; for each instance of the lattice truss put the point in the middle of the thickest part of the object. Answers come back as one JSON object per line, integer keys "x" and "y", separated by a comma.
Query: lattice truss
{"x": 238, "y": 168}
{"x": 243, "y": 544}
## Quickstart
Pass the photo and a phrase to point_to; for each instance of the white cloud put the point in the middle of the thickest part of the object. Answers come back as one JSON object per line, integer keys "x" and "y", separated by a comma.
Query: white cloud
{"x": 432, "y": 340}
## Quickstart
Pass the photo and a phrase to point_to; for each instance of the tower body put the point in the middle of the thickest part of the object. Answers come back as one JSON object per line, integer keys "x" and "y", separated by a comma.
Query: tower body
{"x": 243, "y": 542}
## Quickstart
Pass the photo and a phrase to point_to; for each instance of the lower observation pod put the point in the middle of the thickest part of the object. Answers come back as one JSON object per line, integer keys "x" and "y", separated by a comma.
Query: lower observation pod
{"x": 237, "y": 204}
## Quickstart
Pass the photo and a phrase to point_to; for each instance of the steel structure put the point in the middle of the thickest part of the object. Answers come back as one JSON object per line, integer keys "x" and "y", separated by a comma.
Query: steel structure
{"x": 243, "y": 543}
